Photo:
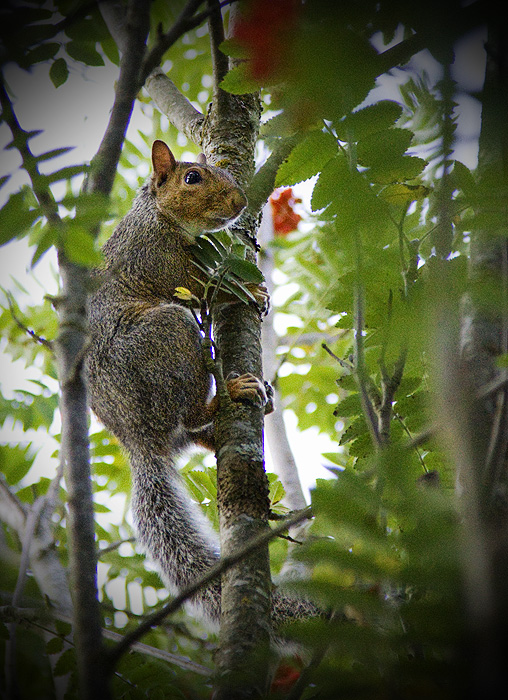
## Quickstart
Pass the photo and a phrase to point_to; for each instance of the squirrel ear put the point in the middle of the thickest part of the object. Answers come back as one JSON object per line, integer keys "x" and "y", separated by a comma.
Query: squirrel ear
{"x": 201, "y": 159}
{"x": 163, "y": 161}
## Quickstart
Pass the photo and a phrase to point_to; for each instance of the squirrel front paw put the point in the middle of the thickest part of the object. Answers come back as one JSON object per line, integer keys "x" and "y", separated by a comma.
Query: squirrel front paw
{"x": 247, "y": 387}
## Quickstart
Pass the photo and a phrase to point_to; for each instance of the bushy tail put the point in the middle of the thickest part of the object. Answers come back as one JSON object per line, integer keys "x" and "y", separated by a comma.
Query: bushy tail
{"x": 179, "y": 540}
{"x": 175, "y": 534}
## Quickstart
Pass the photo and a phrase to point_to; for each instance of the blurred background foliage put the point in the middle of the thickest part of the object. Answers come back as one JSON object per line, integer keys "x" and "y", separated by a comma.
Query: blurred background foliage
{"x": 366, "y": 250}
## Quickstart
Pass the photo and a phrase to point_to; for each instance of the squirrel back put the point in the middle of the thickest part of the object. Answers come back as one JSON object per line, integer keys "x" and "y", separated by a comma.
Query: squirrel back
{"x": 147, "y": 377}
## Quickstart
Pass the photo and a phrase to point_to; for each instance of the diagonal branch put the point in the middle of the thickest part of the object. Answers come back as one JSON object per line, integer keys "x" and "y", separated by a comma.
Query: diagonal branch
{"x": 20, "y": 139}
{"x": 174, "y": 105}
{"x": 184, "y": 23}
{"x": 130, "y": 80}
{"x": 224, "y": 564}
{"x": 263, "y": 182}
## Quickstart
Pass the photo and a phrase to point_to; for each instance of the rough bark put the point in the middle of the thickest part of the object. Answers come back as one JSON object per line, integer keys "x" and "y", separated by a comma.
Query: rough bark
{"x": 70, "y": 349}
{"x": 229, "y": 138}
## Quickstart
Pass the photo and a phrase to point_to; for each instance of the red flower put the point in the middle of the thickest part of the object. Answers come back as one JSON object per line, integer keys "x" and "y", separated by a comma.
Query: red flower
{"x": 265, "y": 30}
{"x": 285, "y": 678}
{"x": 285, "y": 219}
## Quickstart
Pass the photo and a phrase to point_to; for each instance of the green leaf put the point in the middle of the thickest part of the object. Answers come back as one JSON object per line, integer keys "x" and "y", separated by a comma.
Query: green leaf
{"x": 111, "y": 50}
{"x": 231, "y": 47}
{"x": 67, "y": 173}
{"x": 41, "y": 53}
{"x": 347, "y": 191}
{"x": 43, "y": 236}
{"x": 85, "y": 52}
{"x": 65, "y": 663}
{"x": 236, "y": 288}
{"x": 383, "y": 145}
{"x": 239, "y": 82}
{"x": 54, "y": 645}
{"x": 307, "y": 158}
{"x": 81, "y": 247}
{"x": 62, "y": 627}
{"x": 15, "y": 218}
{"x": 88, "y": 30}
{"x": 397, "y": 169}
{"x": 206, "y": 252}
{"x": 364, "y": 122}
{"x": 277, "y": 492}
{"x": 350, "y": 406}
{"x": 59, "y": 72}
{"x": 100, "y": 508}
{"x": 15, "y": 462}
{"x": 54, "y": 153}
{"x": 463, "y": 178}
{"x": 244, "y": 269}
{"x": 221, "y": 240}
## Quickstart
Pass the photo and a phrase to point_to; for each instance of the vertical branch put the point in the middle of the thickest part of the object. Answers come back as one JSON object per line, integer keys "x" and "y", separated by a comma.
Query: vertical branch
{"x": 442, "y": 235}
{"x": 229, "y": 138}
{"x": 70, "y": 350}
{"x": 130, "y": 81}
{"x": 220, "y": 61}
{"x": 280, "y": 449}
{"x": 484, "y": 477}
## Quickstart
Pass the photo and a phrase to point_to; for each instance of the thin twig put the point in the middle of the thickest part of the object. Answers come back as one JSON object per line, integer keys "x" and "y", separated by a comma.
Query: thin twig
{"x": 345, "y": 365}
{"x": 115, "y": 545}
{"x": 183, "y": 23}
{"x": 224, "y": 564}
{"x": 220, "y": 62}
{"x": 360, "y": 370}
{"x": 35, "y": 336}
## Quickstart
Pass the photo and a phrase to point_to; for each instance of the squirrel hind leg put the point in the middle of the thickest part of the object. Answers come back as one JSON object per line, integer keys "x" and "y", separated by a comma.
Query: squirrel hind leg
{"x": 204, "y": 436}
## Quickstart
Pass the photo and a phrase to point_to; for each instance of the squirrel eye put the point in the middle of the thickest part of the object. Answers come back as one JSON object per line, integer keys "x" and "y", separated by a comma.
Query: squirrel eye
{"x": 192, "y": 177}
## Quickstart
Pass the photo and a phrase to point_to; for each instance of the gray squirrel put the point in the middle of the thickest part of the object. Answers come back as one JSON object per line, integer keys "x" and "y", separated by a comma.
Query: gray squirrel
{"x": 147, "y": 378}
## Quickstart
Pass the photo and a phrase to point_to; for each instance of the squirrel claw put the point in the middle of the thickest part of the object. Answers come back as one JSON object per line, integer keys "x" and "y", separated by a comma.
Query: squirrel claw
{"x": 247, "y": 387}
{"x": 269, "y": 406}
{"x": 260, "y": 293}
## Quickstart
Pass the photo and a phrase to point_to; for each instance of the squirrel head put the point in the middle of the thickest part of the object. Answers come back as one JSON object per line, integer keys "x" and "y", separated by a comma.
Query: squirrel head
{"x": 196, "y": 196}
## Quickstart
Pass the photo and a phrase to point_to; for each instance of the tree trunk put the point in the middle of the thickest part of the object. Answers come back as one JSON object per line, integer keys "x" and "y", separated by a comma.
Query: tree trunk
{"x": 484, "y": 339}
{"x": 229, "y": 139}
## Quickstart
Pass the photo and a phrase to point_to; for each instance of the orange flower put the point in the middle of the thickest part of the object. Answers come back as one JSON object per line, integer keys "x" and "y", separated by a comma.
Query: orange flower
{"x": 285, "y": 219}
{"x": 265, "y": 30}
